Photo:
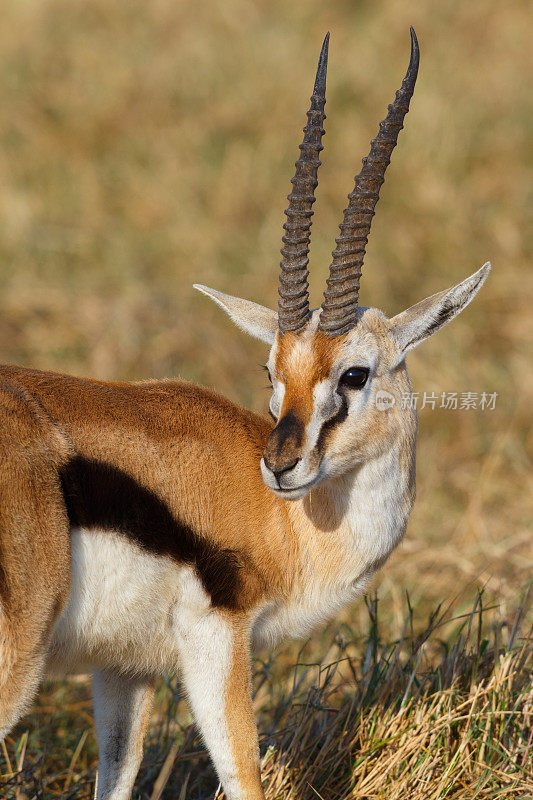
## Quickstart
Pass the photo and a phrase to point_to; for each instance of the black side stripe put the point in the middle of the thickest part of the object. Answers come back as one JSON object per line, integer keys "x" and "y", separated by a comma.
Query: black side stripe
{"x": 98, "y": 495}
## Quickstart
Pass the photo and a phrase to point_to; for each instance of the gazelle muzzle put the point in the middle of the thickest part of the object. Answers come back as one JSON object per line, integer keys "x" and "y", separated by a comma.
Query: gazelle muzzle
{"x": 284, "y": 445}
{"x": 287, "y": 467}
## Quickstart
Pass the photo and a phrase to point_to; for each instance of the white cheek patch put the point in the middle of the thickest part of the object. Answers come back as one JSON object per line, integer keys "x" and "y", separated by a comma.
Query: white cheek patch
{"x": 326, "y": 403}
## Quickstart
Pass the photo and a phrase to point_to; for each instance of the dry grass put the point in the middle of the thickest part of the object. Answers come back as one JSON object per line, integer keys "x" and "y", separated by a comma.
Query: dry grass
{"x": 443, "y": 712}
{"x": 145, "y": 146}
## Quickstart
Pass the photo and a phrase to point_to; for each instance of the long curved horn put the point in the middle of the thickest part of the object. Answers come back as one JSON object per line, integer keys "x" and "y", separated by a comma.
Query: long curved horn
{"x": 293, "y": 303}
{"x": 339, "y": 309}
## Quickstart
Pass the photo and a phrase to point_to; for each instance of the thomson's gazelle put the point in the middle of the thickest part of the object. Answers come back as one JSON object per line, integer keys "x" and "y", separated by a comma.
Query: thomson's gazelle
{"x": 158, "y": 527}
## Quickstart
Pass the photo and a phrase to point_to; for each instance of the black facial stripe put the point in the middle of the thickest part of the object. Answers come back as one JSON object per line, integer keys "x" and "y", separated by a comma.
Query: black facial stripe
{"x": 328, "y": 426}
{"x": 98, "y": 495}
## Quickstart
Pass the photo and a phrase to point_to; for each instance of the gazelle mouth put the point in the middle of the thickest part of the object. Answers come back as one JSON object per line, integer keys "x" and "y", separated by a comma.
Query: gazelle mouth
{"x": 292, "y": 494}
{"x": 296, "y": 492}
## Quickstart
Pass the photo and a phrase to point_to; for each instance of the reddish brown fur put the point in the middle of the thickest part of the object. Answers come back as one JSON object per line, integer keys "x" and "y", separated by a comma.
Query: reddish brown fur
{"x": 314, "y": 367}
{"x": 34, "y": 544}
{"x": 161, "y": 434}
{"x": 300, "y": 365}
{"x": 239, "y": 714}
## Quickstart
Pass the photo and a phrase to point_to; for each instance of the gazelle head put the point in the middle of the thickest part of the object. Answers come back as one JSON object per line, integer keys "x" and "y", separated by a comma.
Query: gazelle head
{"x": 338, "y": 373}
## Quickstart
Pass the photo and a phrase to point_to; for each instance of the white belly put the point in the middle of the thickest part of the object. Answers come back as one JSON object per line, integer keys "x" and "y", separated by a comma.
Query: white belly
{"x": 126, "y": 606}
{"x": 121, "y": 607}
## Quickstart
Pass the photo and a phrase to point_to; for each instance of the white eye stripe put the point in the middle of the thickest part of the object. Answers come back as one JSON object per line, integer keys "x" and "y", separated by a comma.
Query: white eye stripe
{"x": 276, "y": 401}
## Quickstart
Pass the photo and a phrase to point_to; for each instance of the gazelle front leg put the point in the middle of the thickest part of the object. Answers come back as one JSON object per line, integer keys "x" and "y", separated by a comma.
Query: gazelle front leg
{"x": 215, "y": 670}
{"x": 122, "y": 708}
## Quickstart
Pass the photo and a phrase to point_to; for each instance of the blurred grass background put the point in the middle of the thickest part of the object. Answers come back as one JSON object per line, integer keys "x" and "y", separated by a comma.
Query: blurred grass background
{"x": 149, "y": 145}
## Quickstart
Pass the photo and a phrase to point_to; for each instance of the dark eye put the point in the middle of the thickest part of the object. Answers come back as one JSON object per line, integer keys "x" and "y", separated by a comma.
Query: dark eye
{"x": 354, "y": 378}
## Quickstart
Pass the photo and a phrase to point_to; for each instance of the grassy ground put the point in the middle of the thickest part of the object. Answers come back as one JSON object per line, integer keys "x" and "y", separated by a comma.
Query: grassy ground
{"x": 145, "y": 146}
{"x": 443, "y": 711}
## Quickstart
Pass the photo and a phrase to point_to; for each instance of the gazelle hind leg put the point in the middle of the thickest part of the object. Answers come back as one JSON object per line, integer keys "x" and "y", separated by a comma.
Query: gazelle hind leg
{"x": 20, "y": 674}
{"x": 122, "y": 706}
{"x": 215, "y": 670}
{"x": 34, "y": 547}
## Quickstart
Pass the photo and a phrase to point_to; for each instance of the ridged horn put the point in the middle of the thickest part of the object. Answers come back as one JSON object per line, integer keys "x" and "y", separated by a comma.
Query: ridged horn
{"x": 293, "y": 302}
{"x": 339, "y": 309}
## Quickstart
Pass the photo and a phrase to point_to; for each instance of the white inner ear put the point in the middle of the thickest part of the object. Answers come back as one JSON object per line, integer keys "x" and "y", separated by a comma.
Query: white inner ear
{"x": 427, "y": 317}
{"x": 258, "y": 321}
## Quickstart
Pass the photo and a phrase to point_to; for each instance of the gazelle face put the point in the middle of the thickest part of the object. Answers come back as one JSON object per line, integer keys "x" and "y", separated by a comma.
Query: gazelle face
{"x": 326, "y": 400}
{"x": 337, "y": 400}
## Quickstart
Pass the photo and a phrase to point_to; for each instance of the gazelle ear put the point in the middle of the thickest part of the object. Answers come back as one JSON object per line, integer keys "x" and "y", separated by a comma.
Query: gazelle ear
{"x": 427, "y": 317}
{"x": 256, "y": 320}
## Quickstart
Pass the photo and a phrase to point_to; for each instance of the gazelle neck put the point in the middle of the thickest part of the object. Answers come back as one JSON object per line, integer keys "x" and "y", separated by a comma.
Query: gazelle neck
{"x": 340, "y": 534}
{"x": 349, "y": 525}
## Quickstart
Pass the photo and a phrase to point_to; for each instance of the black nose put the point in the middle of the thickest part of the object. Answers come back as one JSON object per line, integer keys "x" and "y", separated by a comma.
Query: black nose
{"x": 280, "y": 469}
{"x": 284, "y": 445}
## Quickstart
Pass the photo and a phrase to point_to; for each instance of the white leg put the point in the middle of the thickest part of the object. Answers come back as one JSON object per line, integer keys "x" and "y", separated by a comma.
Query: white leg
{"x": 122, "y": 708}
{"x": 215, "y": 670}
